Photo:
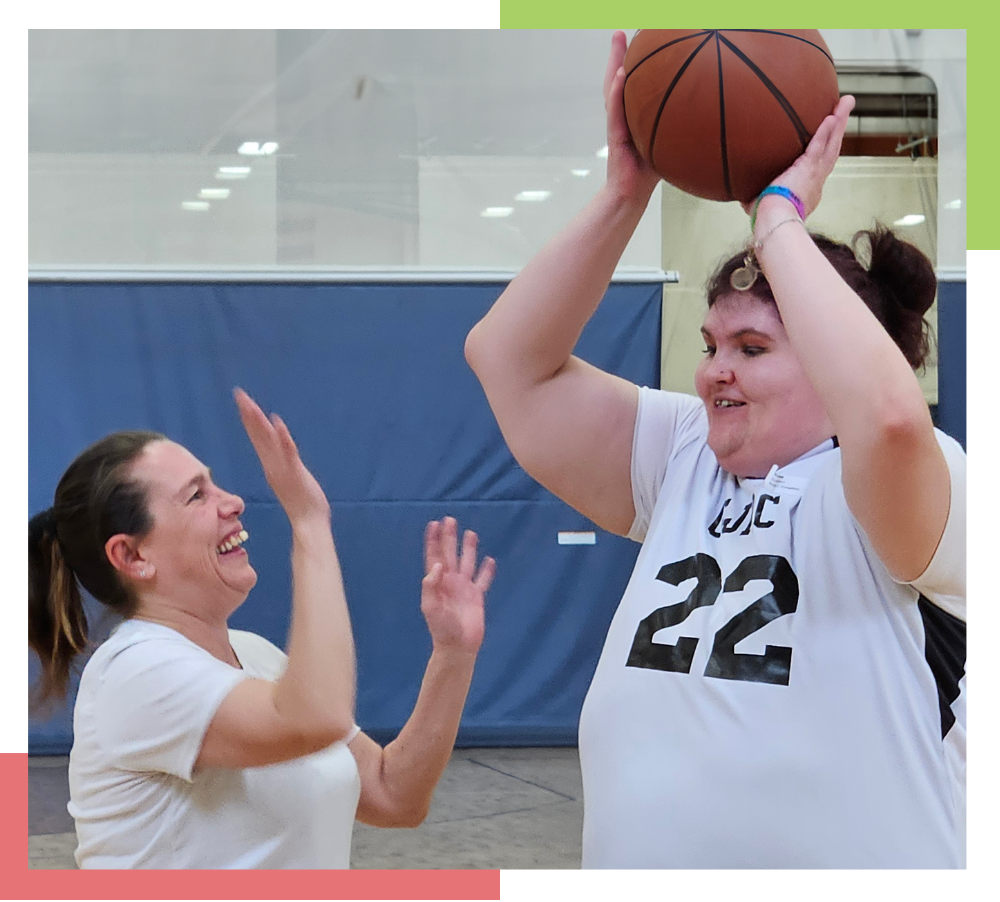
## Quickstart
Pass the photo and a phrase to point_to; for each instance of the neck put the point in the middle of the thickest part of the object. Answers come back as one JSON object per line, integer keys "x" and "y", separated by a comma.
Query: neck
{"x": 209, "y": 633}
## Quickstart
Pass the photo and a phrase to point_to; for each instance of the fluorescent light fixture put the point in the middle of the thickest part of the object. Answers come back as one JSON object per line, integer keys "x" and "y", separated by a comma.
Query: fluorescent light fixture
{"x": 232, "y": 172}
{"x": 603, "y": 152}
{"x": 214, "y": 193}
{"x": 254, "y": 149}
{"x": 496, "y": 212}
{"x": 534, "y": 196}
{"x": 195, "y": 205}
{"x": 580, "y": 173}
{"x": 954, "y": 204}
{"x": 910, "y": 219}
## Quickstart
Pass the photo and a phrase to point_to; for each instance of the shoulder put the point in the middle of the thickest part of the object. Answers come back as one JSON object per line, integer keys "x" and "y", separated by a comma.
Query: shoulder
{"x": 258, "y": 656}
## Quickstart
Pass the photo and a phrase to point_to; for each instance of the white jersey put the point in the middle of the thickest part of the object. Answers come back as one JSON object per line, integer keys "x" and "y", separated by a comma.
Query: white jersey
{"x": 146, "y": 698}
{"x": 768, "y": 696}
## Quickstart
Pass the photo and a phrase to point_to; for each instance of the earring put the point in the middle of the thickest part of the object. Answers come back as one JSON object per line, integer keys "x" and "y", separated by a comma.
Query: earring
{"x": 142, "y": 572}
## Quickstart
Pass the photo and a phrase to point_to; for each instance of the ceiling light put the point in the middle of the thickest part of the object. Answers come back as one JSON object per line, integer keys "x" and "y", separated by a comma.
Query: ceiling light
{"x": 534, "y": 195}
{"x": 254, "y": 149}
{"x": 603, "y": 152}
{"x": 910, "y": 219}
{"x": 232, "y": 172}
{"x": 196, "y": 205}
{"x": 214, "y": 193}
{"x": 497, "y": 212}
{"x": 269, "y": 147}
{"x": 580, "y": 173}
{"x": 954, "y": 204}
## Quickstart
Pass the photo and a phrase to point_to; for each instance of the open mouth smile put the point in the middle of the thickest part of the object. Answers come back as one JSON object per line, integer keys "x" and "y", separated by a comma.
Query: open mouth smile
{"x": 231, "y": 543}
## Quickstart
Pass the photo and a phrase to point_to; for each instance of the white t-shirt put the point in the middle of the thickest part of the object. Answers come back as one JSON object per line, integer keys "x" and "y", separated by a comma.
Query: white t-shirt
{"x": 768, "y": 696}
{"x": 146, "y": 698}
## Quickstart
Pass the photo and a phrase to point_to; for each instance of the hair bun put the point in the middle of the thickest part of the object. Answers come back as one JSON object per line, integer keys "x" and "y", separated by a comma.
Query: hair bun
{"x": 901, "y": 268}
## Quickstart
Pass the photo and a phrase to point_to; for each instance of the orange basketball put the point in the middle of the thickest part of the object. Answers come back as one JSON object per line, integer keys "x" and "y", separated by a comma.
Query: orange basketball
{"x": 721, "y": 113}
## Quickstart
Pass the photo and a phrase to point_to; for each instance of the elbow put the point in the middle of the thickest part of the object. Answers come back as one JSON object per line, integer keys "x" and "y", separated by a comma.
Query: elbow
{"x": 903, "y": 423}
{"x": 411, "y": 816}
{"x": 473, "y": 347}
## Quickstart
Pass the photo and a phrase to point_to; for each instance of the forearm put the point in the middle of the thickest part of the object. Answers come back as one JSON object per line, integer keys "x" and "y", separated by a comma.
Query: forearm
{"x": 413, "y": 762}
{"x": 531, "y": 330}
{"x": 861, "y": 376}
{"x": 319, "y": 683}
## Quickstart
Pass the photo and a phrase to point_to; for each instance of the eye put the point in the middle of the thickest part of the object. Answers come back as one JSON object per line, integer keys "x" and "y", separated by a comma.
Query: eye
{"x": 709, "y": 350}
{"x": 197, "y": 495}
{"x": 753, "y": 350}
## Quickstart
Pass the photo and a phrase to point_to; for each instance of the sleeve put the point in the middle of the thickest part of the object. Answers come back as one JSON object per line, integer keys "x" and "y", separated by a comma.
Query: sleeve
{"x": 159, "y": 697}
{"x": 943, "y": 582}
{"x": 664, "y": 423}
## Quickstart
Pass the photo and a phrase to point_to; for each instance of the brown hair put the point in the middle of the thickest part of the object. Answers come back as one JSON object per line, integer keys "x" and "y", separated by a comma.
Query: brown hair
{"x": 95, "y": 500}
{"x": 897, "y": 284}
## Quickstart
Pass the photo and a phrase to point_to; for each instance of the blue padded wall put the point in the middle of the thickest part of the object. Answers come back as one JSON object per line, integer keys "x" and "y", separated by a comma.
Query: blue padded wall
{"x": 373, "y": 384}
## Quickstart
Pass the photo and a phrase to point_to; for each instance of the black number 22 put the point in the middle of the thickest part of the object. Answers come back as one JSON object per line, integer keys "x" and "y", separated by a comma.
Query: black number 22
{"x": 725, "y": 663}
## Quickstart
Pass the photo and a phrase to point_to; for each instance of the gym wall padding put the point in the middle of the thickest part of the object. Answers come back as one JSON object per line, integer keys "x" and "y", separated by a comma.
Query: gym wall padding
{"x": 372, "y": 381}
{"x": 950, "y": 414}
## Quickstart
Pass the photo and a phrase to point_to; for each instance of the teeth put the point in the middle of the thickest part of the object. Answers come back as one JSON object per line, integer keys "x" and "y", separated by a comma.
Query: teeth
{"x": 233, "y": 541}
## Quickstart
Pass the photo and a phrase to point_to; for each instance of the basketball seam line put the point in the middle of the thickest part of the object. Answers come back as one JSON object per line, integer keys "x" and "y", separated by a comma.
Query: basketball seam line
{"x": 782, "y": 34}
{"x": 652, "y": 53}
{"x": 669, "y": 91}
{"x": 793, "y": 117}
{"x": 724, "y": 151}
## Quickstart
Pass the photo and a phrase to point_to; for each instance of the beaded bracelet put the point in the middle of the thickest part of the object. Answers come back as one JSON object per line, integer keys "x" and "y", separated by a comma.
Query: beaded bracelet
{"x": 782, "y": 191}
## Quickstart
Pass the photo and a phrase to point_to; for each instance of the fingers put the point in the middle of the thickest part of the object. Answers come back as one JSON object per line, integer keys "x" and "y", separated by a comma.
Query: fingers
{"x": 618, "y": 43}
{"x": 467, "y": 563}
{"x": 449, "y": 544}
{"x": 433, "y": 578}
{"x": 432, "y": 545}
{"x": 484, "y": 578}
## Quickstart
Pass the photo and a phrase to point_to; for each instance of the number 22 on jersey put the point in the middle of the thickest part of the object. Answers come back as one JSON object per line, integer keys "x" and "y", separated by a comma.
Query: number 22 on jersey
{"x": 773, "y": 666}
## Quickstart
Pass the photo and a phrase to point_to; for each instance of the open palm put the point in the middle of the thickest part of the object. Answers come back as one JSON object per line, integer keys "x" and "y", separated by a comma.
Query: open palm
{"x": 453, "y": 591}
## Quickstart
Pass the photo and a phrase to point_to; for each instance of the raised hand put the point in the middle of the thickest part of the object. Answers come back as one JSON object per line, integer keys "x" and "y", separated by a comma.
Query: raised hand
{"x": 452, "y": 591}
{"x": 296, "y": 488}
{"x": 626, "y": 168}
{"x": 808, "y": 174}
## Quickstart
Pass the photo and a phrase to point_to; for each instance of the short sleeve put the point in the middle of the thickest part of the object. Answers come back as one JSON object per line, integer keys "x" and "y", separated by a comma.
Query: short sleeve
{"x": 156, "y": 701}
{"x": 664, "y": 423}
{"x": 943, "y": 582}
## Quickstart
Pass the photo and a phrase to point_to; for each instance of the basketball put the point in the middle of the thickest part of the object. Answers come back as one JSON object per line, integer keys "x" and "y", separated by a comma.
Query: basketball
{"x": 721, "y": 113}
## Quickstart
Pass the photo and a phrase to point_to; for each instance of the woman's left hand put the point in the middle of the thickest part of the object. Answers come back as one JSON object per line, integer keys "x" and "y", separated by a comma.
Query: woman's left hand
{"x": 452, "y": 592}
{"x": 807, "y": 175}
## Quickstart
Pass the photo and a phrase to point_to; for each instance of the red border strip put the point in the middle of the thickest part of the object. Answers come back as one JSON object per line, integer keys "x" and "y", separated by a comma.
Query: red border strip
{"x": 20, "y": 882}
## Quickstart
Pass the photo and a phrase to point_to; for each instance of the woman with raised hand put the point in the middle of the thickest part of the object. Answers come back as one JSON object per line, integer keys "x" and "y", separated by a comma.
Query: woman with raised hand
{"x": 197, "y": 746}
{"x": 782, "y": 684}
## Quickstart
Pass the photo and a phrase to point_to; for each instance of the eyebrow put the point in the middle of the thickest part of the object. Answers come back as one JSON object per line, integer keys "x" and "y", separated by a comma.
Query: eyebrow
{"x": 194, "y": 482}
{"x": 742, "y": 333}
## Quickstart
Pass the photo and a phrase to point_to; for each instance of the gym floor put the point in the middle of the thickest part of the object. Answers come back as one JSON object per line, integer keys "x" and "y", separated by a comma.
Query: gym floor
{"x": 511, "y": 808}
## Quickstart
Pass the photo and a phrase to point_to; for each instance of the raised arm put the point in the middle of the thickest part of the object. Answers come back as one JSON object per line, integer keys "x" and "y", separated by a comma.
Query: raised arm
{"x": 312, "y": 704}
{"x": 895, "y": 477}
{"x": 568, "y": 423}
{"x": 397, "y": 782}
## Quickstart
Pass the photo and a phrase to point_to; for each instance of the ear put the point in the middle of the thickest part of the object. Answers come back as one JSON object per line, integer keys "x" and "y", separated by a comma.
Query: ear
{"x": 126, "y": 557}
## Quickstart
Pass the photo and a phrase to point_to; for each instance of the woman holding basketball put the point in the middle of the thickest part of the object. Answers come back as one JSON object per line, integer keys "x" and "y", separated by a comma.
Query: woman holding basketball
{"x": 197, "y": 746}
{"x": 782, "y": 683}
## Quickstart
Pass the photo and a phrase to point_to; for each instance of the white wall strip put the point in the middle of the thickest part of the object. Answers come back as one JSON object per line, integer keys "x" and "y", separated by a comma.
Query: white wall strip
{"x": 577, "y": 538}
{"x": 652, "y": 276}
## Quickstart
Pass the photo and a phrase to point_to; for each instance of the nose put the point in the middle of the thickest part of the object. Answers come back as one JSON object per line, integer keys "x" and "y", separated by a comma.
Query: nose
{"x": 720, "y": 371}
{"x": 231, "y": 505}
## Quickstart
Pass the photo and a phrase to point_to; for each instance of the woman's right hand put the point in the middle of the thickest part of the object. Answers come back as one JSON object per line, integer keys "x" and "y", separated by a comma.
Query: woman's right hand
{"x": 296, "y": 488}
{"x": 628, "y": 173}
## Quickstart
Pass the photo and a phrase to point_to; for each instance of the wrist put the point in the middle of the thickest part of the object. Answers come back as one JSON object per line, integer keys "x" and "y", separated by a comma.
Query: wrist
{"x": 772, "y": 209}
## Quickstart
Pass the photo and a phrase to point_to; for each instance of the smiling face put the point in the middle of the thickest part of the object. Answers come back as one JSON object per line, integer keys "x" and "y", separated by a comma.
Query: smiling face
{"x": 762, "y": 409}
{"x": 194, "y": 523}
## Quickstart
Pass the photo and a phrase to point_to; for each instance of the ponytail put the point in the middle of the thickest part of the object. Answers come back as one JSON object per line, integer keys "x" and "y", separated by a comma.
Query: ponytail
{"x": 95, "y": 500}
